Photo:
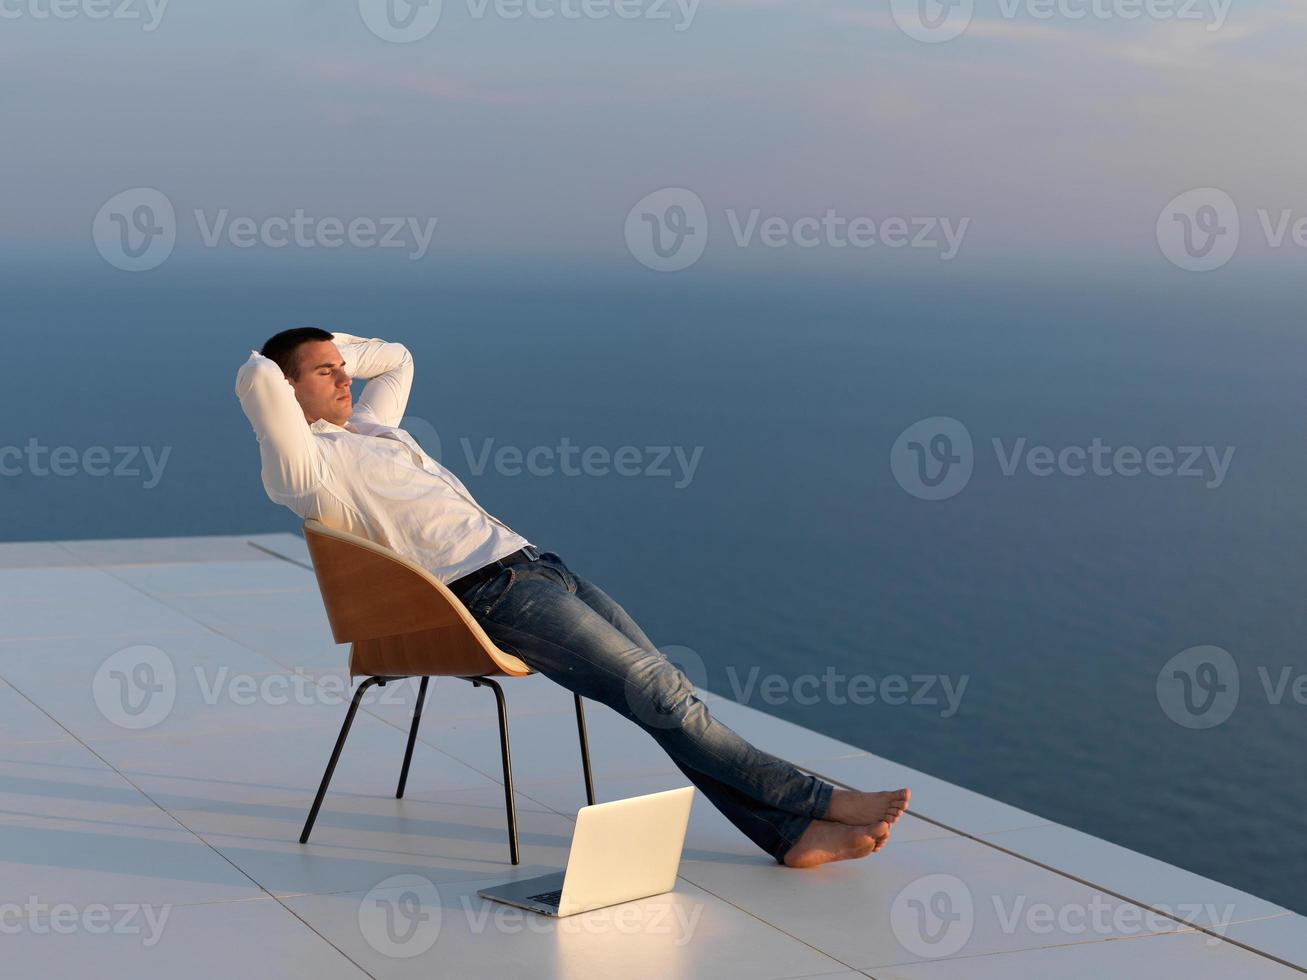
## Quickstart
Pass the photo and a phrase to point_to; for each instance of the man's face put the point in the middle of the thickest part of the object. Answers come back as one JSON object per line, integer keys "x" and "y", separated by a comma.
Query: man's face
{"x": 322, "y": 388}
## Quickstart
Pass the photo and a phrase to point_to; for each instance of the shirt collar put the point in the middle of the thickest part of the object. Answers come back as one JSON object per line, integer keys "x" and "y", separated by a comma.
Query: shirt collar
{"x": 322, "y": 425}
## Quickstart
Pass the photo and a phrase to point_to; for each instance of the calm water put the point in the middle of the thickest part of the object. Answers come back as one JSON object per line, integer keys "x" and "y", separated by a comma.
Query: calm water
{"x": 792, "y": 549}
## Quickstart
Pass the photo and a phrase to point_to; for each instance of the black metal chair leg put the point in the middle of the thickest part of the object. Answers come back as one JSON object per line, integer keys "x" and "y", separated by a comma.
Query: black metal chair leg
{"x": 335, "y": 754}
{"x": 509, "y": 803}
{"x": 585, "y": 751}
{"x": 412, "y": 737}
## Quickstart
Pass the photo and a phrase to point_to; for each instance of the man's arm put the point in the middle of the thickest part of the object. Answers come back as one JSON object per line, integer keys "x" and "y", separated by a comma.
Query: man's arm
{"x": 292, "y": 464}
{"x": 388, "y": 368}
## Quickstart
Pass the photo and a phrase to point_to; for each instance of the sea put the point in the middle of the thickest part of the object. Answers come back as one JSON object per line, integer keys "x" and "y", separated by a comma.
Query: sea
{"x": 1032, "y": 531}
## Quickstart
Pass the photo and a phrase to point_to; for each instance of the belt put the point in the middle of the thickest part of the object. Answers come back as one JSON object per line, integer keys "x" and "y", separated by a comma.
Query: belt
{"x": 461, "y": 586}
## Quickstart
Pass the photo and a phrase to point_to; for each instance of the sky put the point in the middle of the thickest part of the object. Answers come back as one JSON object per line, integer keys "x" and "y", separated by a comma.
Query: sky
{"x": 1044, "y": 132}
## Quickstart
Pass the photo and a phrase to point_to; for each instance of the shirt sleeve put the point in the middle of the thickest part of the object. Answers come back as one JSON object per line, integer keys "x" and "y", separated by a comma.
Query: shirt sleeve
{"x": 291, "y": 458}
{"x": 388, "y": 368}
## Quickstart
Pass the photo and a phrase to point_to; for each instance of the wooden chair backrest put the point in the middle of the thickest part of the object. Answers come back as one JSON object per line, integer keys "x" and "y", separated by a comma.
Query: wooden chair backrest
{"x": 401, "y": 619}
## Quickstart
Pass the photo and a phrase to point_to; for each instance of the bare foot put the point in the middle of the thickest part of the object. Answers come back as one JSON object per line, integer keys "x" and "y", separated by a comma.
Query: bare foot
{"x": 825, "y": 841}
{"x": 851, "y": 807}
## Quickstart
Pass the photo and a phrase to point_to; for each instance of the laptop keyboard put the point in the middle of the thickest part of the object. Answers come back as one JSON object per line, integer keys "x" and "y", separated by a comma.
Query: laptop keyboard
{"x": 548, "y": 898}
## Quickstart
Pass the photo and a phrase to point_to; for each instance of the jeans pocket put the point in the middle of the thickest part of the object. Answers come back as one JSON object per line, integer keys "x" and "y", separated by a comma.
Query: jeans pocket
{"x": 487, "y": 597}
{"x": 556, "y": 564}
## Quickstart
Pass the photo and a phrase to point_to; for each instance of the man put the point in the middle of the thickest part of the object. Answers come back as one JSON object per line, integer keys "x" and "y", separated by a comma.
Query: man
{"x": 351, "y": 467}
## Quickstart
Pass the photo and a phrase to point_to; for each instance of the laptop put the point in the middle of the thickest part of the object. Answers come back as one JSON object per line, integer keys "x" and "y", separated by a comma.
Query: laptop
{"x": 621, "y": 851}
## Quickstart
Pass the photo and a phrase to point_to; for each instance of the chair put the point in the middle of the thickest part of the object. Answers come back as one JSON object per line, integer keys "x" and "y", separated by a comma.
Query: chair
{"x": 401, "y": 621}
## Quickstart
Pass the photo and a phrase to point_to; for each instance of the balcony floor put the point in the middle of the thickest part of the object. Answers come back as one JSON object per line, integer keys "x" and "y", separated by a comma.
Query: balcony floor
{"x": 158, "y": 836}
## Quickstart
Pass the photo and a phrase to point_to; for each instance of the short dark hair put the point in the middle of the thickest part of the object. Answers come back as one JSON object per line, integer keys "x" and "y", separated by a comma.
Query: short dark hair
{"x": 283, "y": 348}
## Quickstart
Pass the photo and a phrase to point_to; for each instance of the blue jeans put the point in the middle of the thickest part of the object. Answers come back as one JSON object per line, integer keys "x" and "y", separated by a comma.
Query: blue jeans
{"x": 571, "y": 631}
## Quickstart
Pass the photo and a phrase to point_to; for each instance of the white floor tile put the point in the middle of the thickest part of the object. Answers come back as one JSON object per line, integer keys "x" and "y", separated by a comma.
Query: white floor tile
{"x": 204, "y": 548}
{"x": 101, "y": 613}
{"x": 73, "y": 830}
{"x": 69, "y": 584}
{"x": 199, "y": 771}
{"x": 253, "y": 940}
{"x": 196, "y": 682}
{"x": 286, "y": 545}
{"x": 916, "y": 900}
{"x": 35, "y": 554}
{"x": 1137, "y": 876}
{"x": 308, "y": 645}
{"x": 358, "y": 841}
{"x": 216, "y": 578}
{"x": 22, "y": 721}
{"x": 685, "y": 933}
{"x": 1283, "y": 936}
{"x": 1187, "y": 955}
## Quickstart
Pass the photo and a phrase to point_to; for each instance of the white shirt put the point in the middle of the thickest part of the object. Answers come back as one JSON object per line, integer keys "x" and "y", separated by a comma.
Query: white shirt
{"x": 370, "y": 477}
